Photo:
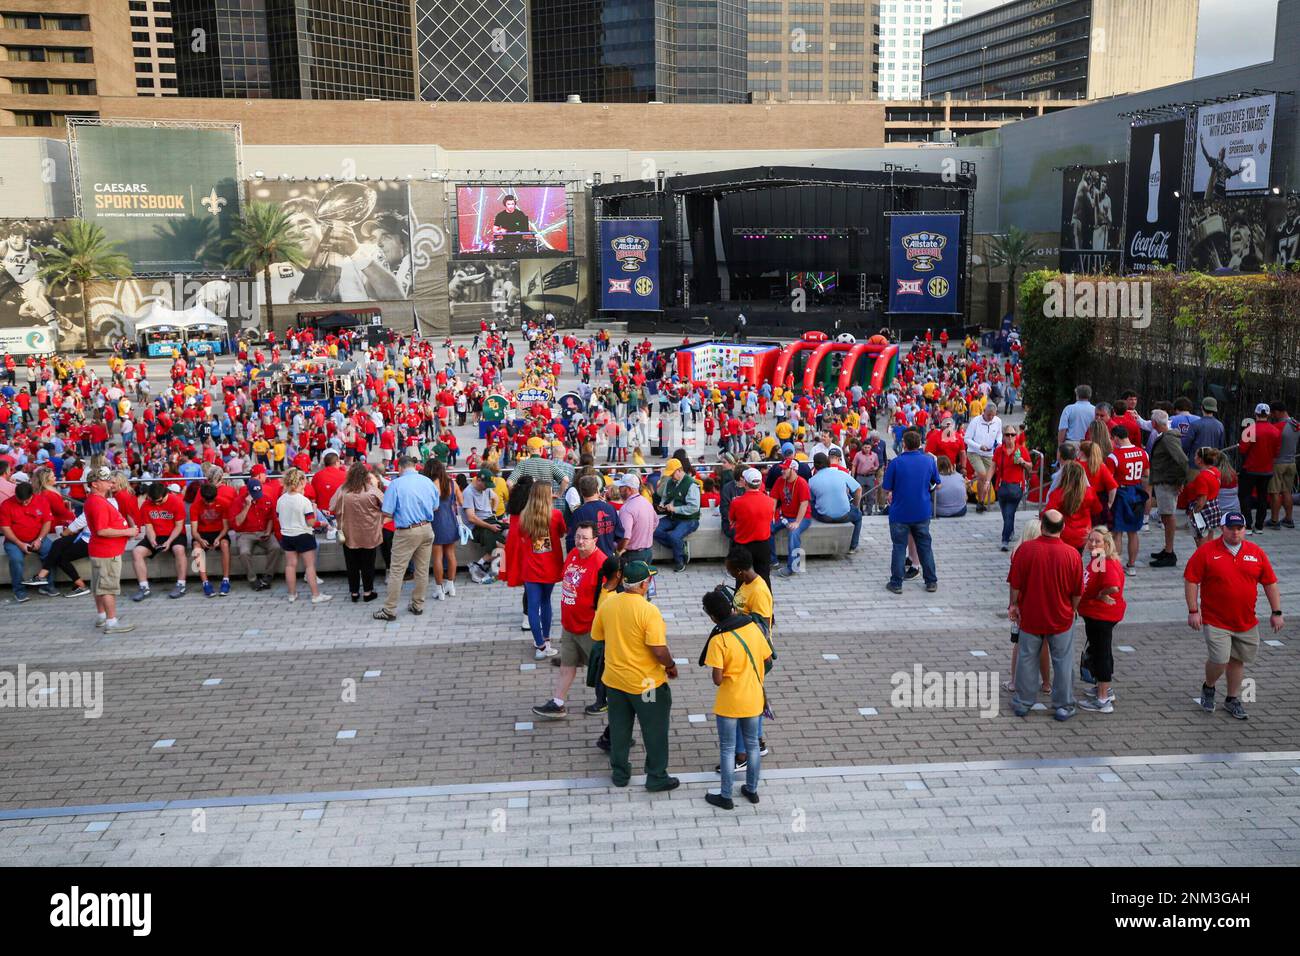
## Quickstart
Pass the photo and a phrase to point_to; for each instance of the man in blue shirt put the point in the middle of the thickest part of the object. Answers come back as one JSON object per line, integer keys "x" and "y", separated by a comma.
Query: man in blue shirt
{"x": 1076, "y": 418}
{"x": 836, "y": 497}
{"x": 411, "y": 500}
{"x": 909, "y": 479}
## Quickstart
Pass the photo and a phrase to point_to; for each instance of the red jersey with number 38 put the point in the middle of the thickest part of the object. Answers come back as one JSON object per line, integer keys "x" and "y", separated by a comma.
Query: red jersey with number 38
{"x": 1129, "y": 464}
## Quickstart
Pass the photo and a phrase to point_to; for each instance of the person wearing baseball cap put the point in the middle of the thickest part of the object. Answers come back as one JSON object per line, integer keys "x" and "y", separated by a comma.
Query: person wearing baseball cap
{"x": 1260, "y": 442}
{"x": 1221, "y": 584}
{"x": 638, "y": 518}
{"x": 638, "y": 666}
{"x": 752, "y": 515}
{"x": 793, "y": 503}
{"x": 678, "y": 500}
{"x": 109, "y": 533}
{"x": 1207, "y": 431}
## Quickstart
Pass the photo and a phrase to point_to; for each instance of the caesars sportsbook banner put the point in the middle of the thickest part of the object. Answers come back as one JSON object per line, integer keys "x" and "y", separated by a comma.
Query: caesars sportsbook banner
{"x": 923, "y": 258}
{"x": 629, "y": 264}
{"x": 1234, "y": 143}
{"x": 169, "y": 196}
{"x": 1155, "y": 174}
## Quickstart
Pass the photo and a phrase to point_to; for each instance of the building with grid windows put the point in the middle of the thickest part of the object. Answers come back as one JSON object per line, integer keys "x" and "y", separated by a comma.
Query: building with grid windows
{"x": 1063, "y": 49}
{"x": 296, "y": 49}
{"x": 820, "y": 50}
{"x": 473, "y": 50}
{"x": 57, "y": 57}
{"x": 902, "y": 23}
{"x": 153, "y": 47}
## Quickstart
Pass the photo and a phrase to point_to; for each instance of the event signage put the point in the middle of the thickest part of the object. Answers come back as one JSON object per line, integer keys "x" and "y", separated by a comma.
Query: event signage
{"x": 494, "y": 407}
{"x": 1092, "y": 207}
{"x": 1234, "y": 146}
{"x": 629, "y": 264}
{"x": 924, "y": 253}
{"x": 1155, "y": 181}
{"x": 168, "y": 195}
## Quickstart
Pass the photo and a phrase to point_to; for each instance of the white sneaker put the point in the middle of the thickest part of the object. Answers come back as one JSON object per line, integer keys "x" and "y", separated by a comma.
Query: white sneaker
{"x": 321, "y": 598}
{"x": 449, "y": 587}
{"x": 332, "y": 534}
{"x": 545, "y": 652}
{"x": 292, "y": 598}
{"x": 525, "y": 626}
{"x": 440, "y": 594}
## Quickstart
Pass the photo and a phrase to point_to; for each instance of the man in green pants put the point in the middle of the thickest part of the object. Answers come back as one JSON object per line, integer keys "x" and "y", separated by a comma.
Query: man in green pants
{"x": 638, "y": 666}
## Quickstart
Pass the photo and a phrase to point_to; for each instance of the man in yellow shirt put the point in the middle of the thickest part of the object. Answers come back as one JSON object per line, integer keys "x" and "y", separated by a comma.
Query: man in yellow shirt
{"x": 739, "y": 656}
{"x": 638, "y": 666}
{"x": 767, "y": 445}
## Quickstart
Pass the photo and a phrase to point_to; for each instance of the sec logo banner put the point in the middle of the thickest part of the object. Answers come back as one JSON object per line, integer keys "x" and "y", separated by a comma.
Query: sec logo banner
{"x": 644, "y": 286}
{"x": 937, "y": 287}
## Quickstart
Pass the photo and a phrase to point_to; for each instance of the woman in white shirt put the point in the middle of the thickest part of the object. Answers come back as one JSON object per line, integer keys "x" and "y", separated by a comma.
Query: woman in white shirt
{"x": 293, "y": 509}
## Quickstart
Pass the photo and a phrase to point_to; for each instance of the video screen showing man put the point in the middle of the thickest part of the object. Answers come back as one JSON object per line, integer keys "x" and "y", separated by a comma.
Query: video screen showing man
{"x": 511, "y": 232}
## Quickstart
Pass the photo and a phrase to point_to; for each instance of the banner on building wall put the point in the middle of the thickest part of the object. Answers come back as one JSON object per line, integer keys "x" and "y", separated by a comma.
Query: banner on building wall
{"x": 355, "y": 236}
{"x": 1243, "y": 233}
{"x": 1155, "y": 184}
{"x": 1092, "y": 208}
{"x": 1234, "y": 146}
{"x": 480, "y": 291}
{"x": 629, "y": 264}
{"x": 168, "y": 195}
{"x": 924, "y": 250}
{"x": 33, "y": 313}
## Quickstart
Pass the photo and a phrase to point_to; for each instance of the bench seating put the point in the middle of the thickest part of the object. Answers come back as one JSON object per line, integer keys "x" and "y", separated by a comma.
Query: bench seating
{"x": 707, "y": 543}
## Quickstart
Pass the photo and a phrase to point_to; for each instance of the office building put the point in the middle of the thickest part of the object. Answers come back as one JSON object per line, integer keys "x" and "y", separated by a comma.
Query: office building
{"x": 1063, "y": 49}
{"x": 639, "y": 51}
{"x": 296, "y": 49}
{"x": 153, "y": 47}
{"x": 902, "y": 24}
{"x": 473, "y": 50}
{"x": 57, "y": 57}
{"x": 813, "y": 51}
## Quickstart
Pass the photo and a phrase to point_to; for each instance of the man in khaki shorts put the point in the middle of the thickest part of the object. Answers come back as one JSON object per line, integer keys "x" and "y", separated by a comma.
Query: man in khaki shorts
{"x": 1221, "y": 584}
{"x": 109, "y": 533}
{"x": 579, "y": 586}
{"x": 1284, "y": 469}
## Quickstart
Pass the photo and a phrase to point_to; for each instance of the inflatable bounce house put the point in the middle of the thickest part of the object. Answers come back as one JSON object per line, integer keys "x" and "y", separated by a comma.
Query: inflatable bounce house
{"x": 814, "y": 359}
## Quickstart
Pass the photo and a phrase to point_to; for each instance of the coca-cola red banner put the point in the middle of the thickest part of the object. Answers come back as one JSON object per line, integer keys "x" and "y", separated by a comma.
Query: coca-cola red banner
{"x": 1155, "y": 188}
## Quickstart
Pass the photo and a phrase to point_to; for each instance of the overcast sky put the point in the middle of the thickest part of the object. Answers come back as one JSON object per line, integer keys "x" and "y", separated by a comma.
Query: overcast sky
{"x": 1231, "y": 33}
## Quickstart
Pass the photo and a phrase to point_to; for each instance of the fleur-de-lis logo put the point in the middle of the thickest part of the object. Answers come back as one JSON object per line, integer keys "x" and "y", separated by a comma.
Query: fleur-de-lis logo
{"x": 212, "y": 202}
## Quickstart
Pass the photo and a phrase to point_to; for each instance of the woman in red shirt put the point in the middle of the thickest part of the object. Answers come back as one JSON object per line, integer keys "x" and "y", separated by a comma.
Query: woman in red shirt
{"x": 1200, "y": 496}
{"x": 1100, "y": 478}
{"x": 1102, "y": 606}
{"x": 1011, "y": 466}
{"x": 1074, "y": 499}
{"x": 539, "y": 556}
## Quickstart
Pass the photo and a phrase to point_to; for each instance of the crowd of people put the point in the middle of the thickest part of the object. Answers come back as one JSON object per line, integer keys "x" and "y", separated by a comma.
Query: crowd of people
{"x": 182, "y": 473}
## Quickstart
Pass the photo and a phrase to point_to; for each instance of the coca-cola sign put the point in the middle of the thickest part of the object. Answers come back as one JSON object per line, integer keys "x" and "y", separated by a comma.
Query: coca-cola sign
{"x": 1155, "y": 194}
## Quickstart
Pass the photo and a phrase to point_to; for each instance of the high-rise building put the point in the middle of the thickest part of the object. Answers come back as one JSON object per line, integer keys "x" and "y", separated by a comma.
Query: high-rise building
{"x": 637, "y": 51}
{"x": 295, "y": 49}
{"x": 1063, "y": 49}
{"x": 473, "y": 50}
{"x": 902, "y": 24}
{"x": 57, "y": 57}
{"x": 153, "y": 47}
{"x": 813, "y": 51}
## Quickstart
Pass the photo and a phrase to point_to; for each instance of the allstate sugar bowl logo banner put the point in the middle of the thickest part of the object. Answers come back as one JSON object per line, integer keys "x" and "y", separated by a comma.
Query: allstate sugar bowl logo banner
{"x": 629, "y": 264}
{"x": 923, "y": 260}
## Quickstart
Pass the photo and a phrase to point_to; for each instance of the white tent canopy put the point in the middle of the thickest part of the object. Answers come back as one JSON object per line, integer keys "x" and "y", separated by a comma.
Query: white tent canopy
{"x": 195, "y": 317}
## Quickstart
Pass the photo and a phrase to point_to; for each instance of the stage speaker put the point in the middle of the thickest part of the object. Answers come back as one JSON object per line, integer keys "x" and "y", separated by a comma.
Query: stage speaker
{"x": 376, "y": 335}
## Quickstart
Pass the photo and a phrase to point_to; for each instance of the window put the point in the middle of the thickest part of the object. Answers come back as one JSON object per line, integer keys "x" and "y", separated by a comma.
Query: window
{"x": 139, "y": 21}
{"x": 22, "y": 21}
{"x": 66, "y": 22}
{"x": 27, "y": 54}
{"x": 141, "y": 51}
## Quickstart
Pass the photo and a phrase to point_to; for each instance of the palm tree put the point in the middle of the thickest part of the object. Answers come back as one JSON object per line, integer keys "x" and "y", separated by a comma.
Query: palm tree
{"x": 83, "y": 254}
{"x": 265, "y": 235}
{"x": 1014, "y": 251}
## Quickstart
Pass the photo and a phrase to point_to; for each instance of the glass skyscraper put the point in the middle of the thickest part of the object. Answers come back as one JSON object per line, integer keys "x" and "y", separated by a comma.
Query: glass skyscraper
{"x": 472, "y": 50}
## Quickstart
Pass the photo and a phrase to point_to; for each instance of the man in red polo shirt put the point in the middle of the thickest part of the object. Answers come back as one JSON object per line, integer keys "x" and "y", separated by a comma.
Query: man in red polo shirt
{"x": 25, "y": 520}
{"x": 326, "y": 482}
{"x": 1046, "y": 579}
{"x": 1227, "y": 572}
{"x": 794, "y": 502}
{"x": 109, "y": 532}
{"x": 751, "y": 515}
{"x": 252, "y": 515}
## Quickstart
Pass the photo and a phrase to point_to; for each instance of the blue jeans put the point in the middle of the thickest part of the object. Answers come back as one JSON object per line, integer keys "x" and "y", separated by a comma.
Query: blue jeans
{"x": 742, "y": 747}
{"x": 538, "y": 597}
{"x": 672, "y": 532}
{"x": 1061, "y": 648}
{"x": 1009, "y": 496}
{"x": 17, "y": 559}
{"x": 854, "y": 516}
{"x": 731, "y": 729}
{"x": 920, "y": 532}
{"x": 796, "y": 536}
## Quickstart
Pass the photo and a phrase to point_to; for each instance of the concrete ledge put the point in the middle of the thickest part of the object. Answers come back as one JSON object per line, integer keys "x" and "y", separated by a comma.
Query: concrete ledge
{"x": 707, "y": 543}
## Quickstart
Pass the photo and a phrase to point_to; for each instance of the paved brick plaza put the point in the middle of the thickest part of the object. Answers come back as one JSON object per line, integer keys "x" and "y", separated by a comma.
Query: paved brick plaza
{"x": 438, "y": 772}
